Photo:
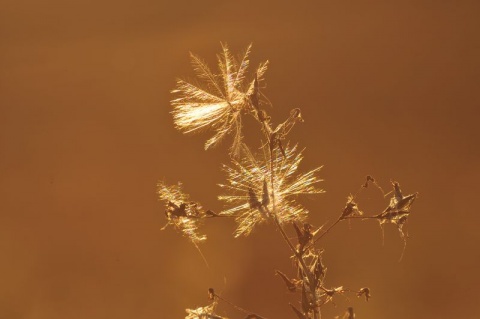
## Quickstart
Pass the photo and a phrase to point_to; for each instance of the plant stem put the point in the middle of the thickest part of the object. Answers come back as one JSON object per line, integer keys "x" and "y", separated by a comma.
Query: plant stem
{"x": 362, "y": 217}
{"x": 306, "y": 271}
{"x": 327, "y": 230}
{"x": 238, "y": 308}
{"x": 268, "y": 132}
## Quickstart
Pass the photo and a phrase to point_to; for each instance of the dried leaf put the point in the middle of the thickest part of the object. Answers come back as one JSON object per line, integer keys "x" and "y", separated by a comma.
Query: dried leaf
{"x": 298, "y": 231}
{"x": 289, "y": 283}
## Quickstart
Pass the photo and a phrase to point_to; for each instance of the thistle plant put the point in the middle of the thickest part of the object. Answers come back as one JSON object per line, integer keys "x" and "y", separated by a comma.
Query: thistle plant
{"x": 264, "y": 187}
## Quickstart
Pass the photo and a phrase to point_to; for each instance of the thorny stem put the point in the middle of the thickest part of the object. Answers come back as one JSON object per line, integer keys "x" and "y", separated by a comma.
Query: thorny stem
{"x": 316, "y": 312}
{"x": 274, "y": 213}
{"x": 268, "y": 131}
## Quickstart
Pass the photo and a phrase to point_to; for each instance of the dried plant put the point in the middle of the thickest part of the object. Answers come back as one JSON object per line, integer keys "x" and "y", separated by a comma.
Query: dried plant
{"x": 219, "y": 101}
{"x": 206, "y": 312}
{"x": 262, "y": 187}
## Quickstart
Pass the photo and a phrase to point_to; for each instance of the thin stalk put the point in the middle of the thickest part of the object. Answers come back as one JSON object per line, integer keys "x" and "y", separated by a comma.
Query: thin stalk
{"x": 362, "y": 217}
{"x": 339, "y": 220}
{"x": 268, "y": 131}
{"x": 327, "y": 230}
{"x": 238, "y": 308}
{"x": 323, "y": 234}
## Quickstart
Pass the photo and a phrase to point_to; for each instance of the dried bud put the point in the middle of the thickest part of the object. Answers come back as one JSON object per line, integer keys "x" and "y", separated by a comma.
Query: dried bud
{"x": 211, "y": 294}
{"x": 351, "y": 208}
{"x": 364, "y": 292}
{"x": 296, "y": 115}
{"x": 333, "y": 291}
{"x": 211, "y": 213}
{"x": 368, "y": 179}
{"x": 303, "y": 236}
{"x": 253, "y": 199}
{"x": 175, "y": 210}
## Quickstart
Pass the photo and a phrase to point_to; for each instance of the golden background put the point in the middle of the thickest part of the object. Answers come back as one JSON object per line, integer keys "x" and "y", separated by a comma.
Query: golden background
{"x": 387, "y": 88}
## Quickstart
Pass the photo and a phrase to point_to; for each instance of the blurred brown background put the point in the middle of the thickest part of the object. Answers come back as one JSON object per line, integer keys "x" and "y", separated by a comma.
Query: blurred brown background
{"x": 387, "y": 88}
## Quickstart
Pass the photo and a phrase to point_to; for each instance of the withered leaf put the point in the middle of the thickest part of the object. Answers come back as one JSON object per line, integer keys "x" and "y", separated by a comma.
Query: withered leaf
{"x": 298, "y": 231}
{"x": 290, "y": 285}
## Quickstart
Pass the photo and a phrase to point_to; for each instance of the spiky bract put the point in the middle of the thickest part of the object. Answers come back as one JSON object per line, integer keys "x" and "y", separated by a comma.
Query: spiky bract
{"x": 218, "y": 100}
{"x": 250, "y": 190}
